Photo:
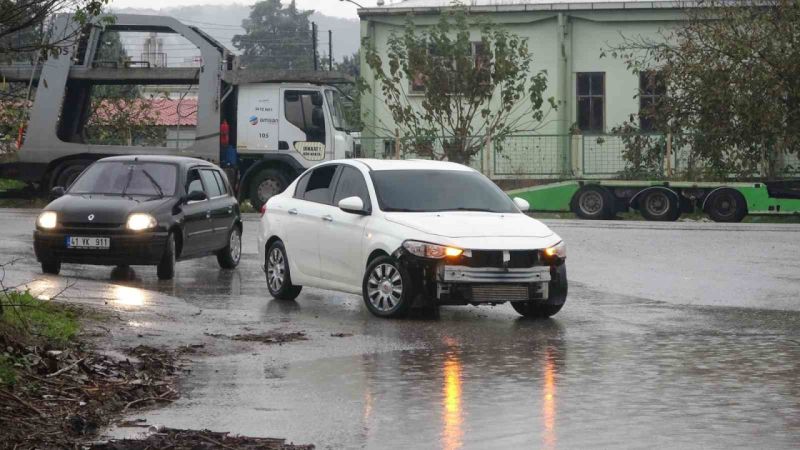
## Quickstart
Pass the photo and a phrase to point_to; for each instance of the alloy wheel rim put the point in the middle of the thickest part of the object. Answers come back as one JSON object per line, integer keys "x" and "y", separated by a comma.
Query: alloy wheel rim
{"x": 657, "y": 204}
{"x": 268, "y": 188}
{"x": 236, "y": 245}
{"x": 385, "y": 287}
{"x": 591, "y": 203}
{"x": 276, "y": 270}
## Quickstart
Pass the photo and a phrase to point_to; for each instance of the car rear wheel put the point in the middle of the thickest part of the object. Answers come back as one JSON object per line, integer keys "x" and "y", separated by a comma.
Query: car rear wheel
{"x": 387, "y": 288}
{"x": 166, "y": 268}
{"x": 279, "y": 278}
{"x": 228, "y": 257}
{"x": 51, "y": 267}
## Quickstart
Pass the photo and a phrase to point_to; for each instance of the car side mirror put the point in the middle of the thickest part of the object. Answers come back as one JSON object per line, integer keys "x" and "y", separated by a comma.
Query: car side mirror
{"x": 56, "y": 192}
{"x": 522, "y": 204}
{"x": 353, "y": 205}
{"x": 196, "y": 196}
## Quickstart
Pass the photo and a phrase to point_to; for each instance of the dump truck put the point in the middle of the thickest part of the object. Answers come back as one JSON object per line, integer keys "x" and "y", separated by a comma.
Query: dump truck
{"x": 265, "y": 127}
{"x": 659, "y": 200}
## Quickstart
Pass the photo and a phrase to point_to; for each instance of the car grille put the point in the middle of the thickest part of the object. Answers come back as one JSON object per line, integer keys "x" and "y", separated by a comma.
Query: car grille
{"x": 520, "y": 259}
{"x": 499, "y": 292}
{"x": 91, "y": 225}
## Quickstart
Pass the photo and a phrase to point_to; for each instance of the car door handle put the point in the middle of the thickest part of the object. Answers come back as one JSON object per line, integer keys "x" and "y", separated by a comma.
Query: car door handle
{"x": 327, "y": 218}
{"x": 292, "y": 212}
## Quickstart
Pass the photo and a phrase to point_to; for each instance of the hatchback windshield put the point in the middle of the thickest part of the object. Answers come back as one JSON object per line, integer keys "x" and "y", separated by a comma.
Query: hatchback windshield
{"x": 438, "y": 190}
{"x": 127, "y": 178}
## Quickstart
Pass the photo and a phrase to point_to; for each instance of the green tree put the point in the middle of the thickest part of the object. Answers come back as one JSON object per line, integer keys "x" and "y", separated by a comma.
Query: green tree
{"x": 351, "y": 65}
{"x": 276, "y": 37}
{"x": 732, "y": 73}
{"x": 469, "y": 91}
{"x": 23, "y": 21}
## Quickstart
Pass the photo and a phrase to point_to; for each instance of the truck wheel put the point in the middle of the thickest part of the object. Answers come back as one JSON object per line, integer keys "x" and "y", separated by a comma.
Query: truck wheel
{"x": 593, "y": 203}
{"x": 726, "y": 205}
{"x": 264, "y": 185}
{"x": 387, "y": 288}
{"x": 659, "y": 205}
{"x": 68, "y": 172}
{"x": 557, "y": 296}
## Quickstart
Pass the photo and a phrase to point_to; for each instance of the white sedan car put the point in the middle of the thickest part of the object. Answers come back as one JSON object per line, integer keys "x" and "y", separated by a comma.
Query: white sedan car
{"x": 409, "y": 234}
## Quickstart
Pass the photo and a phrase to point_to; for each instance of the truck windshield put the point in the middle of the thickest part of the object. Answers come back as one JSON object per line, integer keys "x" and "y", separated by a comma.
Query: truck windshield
{"x": 127, "y": 178}
{"x": 438, "y": 190}
{"x": 337, "y": 110}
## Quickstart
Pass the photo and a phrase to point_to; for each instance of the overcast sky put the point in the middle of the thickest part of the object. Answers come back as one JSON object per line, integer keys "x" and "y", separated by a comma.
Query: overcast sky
{"x": 334, "y": 8}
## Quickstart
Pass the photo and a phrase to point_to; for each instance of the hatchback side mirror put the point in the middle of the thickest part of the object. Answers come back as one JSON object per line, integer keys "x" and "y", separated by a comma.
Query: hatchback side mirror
{"x": 56, "y": 192}
{"x": 196, "y": 196}
{"x": 522, "y": 204}
{"x": 353, "y": 205}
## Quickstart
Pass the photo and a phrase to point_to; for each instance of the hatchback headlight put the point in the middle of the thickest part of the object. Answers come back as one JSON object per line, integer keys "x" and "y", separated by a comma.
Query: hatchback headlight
{"x": 47, "y": 220}
{"x": 557, "y": 251}
{"x": 426, "y": 250}
{"x": 140, "y": 221}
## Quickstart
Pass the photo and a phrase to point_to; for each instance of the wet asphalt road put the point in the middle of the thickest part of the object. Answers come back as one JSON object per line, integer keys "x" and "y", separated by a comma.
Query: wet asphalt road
{"x": 679, "y": 335}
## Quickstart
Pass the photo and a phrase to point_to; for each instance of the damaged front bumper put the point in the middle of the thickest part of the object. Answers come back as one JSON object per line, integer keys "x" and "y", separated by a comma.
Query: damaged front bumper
{"x": 460, "y": 282}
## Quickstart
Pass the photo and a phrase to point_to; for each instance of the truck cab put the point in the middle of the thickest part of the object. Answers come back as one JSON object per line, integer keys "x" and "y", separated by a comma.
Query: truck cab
{"x": 283, "y": 129}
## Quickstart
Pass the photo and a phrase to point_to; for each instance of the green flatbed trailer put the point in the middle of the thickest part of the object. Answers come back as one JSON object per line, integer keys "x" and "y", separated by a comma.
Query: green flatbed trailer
{"x": 664, "y": 200}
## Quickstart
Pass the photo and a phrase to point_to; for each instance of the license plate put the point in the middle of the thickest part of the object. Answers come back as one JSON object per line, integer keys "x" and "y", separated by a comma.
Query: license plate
{"x": 99, "y": 243}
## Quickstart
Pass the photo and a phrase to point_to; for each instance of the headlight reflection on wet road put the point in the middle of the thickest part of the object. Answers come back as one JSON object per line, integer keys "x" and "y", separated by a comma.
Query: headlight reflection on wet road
{"x": 128, "y": 296}
{"x": 549, "y": 401}
{"x": 452, "y": 432}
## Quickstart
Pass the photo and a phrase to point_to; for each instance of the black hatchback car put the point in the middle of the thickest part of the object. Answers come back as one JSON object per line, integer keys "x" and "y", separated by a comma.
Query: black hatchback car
{"x": 141, "y": 210}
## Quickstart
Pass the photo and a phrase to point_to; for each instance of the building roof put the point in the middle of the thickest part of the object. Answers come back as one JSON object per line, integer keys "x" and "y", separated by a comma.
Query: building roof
{"x": 432, "y": 6}
{"x": 163, "y": 111}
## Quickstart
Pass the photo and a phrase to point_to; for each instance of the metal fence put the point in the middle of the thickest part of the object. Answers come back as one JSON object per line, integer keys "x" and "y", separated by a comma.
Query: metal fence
{"x": 554, "y": 156}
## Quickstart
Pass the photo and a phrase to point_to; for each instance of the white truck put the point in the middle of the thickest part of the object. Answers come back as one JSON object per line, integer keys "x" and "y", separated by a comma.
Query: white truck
{"x": 279, "y": 122}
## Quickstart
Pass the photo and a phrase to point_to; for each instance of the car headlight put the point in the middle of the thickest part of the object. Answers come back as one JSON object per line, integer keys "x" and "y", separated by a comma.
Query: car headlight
{"x": 47, "y": 220}
{"x": 426, "y": 250}
{"x": 140, "y": 221}
{"x": 557, "y": 251}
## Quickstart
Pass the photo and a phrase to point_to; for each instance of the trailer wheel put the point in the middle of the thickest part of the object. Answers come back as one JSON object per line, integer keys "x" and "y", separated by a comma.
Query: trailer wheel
{"x": 726, "y": 205}
{"x": 68, "y": 172}
{"x": 264, "y": 185}
{"x": 659, "y": 205}
{"x": 593, "y": 202}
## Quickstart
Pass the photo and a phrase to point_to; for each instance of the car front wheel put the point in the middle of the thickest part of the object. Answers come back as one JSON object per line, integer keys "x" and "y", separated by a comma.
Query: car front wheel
{"x": 557, "y": 295}
{"x": 52, "y": 267}
{"x": 279, "y": 279}
{"x": 387, "y": 288}
{"x": 166, "y": 268}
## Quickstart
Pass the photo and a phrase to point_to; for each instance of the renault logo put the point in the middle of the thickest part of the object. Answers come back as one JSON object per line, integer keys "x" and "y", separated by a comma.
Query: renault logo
{"x": 91, "y": 217}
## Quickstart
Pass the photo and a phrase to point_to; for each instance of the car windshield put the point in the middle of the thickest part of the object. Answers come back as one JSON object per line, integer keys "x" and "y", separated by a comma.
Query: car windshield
{"x": 438, "y": 190}
{"x": 127, "y": 178}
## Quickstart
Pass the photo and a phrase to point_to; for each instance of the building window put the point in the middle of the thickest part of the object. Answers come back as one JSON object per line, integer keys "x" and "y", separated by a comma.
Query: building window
{"x": 481, "y": 59}
{"x": 651, "y": 89}
{"x": 591, "y": 101}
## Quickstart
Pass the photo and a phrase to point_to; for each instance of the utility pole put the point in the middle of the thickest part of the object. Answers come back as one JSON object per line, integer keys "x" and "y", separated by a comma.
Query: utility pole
{"x": 314, "y": 43}
{"x": 330, "y": 50}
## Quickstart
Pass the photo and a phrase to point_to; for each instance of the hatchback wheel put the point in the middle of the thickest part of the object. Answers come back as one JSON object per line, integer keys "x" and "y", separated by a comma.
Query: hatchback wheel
{"x": 279, "y": 278}
{"x": 387, "y": 288}
{"x": 228, "y": 257}
{"x": 52, "y": 267}
{"x": 166, "y": 268}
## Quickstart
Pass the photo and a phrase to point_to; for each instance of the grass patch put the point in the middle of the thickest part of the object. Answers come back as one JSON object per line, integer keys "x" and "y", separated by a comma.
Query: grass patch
{"x": 26, "y": 318}
{"x": 8, "y": 375}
